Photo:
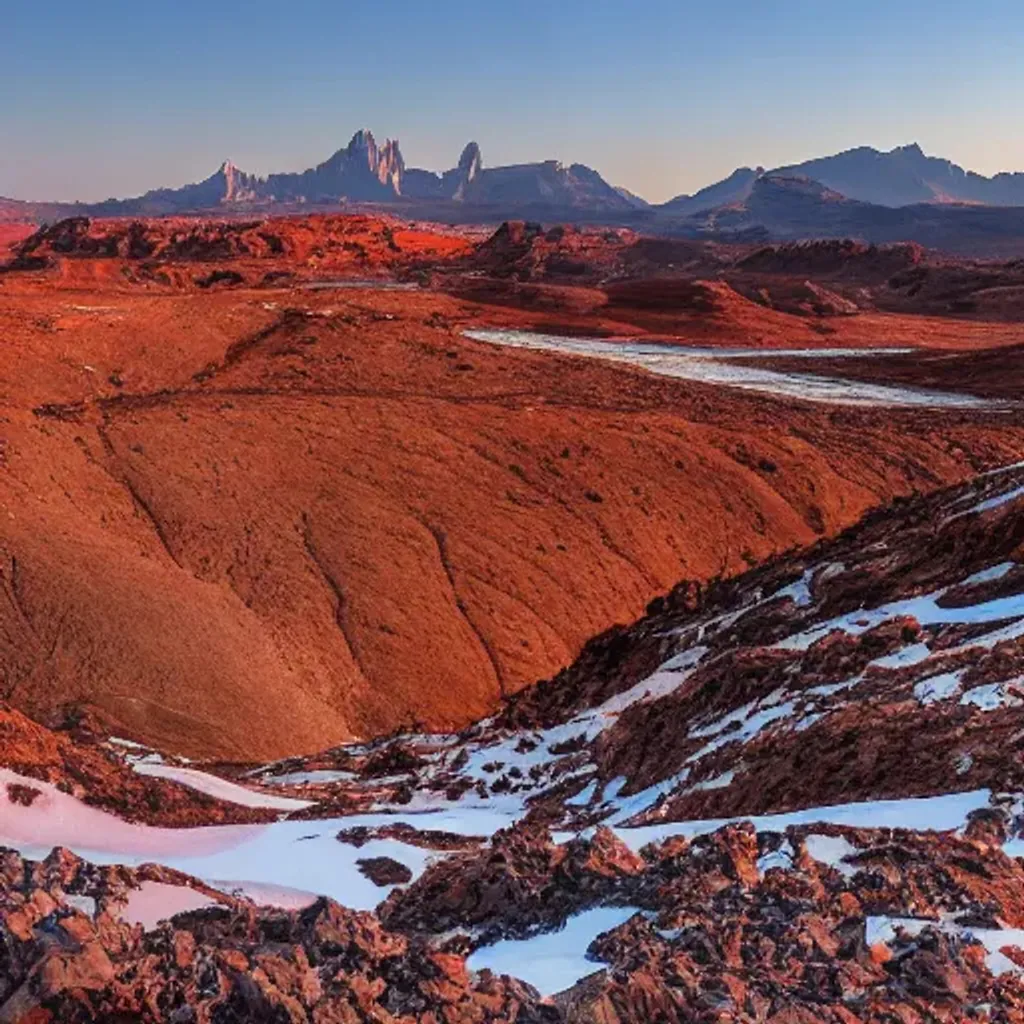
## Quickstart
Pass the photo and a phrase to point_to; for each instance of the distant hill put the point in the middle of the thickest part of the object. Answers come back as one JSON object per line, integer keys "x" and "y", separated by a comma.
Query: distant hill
{"x": 783, "y": 207}
{"x": 905, "y": 176}
{"x": 734, "y": 189}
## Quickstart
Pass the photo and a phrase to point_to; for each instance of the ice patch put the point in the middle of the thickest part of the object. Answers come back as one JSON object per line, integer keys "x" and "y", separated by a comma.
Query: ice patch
{"x": 717, "y": 366}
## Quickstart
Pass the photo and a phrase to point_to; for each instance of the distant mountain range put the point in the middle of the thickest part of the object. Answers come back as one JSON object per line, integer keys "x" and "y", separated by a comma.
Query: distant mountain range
{"x": 904, "y": 176}
{"x": 365, "y": 172}
{"x": 790, "y": 207}
{"x": 880, "y": 196}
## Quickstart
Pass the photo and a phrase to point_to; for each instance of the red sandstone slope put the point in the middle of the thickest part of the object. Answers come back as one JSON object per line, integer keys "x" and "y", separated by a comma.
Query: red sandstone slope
{"x": 11, "y": 234}
{"x": 883, "y": 664}
{"x": 362, "y": 519}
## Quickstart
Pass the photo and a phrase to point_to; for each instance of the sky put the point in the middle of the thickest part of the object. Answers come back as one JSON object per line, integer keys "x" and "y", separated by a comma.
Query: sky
{"x": 111, "y": 98}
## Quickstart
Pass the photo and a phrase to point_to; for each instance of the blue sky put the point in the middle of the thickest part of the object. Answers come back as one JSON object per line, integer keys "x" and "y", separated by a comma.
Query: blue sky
{"x": 663, "y": 96}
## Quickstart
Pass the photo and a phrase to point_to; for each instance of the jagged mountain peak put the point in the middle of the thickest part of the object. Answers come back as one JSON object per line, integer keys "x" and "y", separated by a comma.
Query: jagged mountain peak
{"x": 470, "y": 162}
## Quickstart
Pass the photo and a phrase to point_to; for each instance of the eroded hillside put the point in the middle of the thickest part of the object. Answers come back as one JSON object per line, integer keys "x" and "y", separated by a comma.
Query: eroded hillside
{"x": 253, "y": 521}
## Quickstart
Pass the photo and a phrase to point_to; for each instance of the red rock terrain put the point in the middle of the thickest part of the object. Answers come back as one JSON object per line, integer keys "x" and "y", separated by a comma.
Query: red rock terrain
{"x": 75, "y": 760}
{"x": 866, "y": 687}
{"x": 248, "y": 519}
{"x": 11, "y": 234}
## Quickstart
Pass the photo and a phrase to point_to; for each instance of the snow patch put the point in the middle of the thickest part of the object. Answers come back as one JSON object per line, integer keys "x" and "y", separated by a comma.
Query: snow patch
{"x": 913, "y": 654}
{"x": 924, "y": 608}
{"x": 219, "y": 788}
{"x": 995, "y": 572}
{"x": 83, "y": 904}
{"x": 932, "y": 813}
{"x": 552, "y": 961}
{"x": 780, "y": 858}
{"x": 936, "y": 688}
{"x": 883, "y": 930}
{"x": 153, "y": 902}
{"x": 991, "y": 697}
{"x": 298, "y": 856}
{"x": 995, "y": 502}
{"x": 318, "y": 777}
{"x": 799, "y": 592}
{"x": 833, "y": 851}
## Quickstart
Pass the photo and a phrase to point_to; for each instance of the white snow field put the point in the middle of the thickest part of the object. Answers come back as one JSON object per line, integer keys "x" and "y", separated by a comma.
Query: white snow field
{"x": 552, "y": 961}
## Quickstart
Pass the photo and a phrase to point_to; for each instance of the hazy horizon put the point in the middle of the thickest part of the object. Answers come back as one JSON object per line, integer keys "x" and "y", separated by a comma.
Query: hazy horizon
{"x": 117, "y": 99}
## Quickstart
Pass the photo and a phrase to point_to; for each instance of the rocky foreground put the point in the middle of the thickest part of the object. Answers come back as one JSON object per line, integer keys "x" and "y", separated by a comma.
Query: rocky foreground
{"x": 735, "y": 925}
{"x": 791, "y": 796}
